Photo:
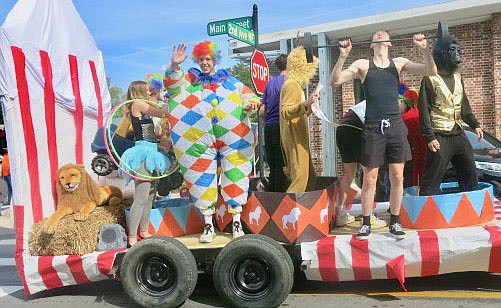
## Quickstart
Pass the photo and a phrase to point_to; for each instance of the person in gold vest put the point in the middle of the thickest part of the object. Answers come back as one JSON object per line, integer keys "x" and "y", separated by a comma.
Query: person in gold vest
{"x": 444, "y": 106}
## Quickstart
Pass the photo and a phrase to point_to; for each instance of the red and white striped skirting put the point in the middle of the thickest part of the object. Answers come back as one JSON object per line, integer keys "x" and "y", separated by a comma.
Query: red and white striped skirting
{"x": 421, "y": 253}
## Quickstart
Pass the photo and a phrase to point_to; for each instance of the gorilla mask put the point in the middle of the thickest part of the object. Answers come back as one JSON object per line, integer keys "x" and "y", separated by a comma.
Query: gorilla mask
{"x": 447, "y": 54}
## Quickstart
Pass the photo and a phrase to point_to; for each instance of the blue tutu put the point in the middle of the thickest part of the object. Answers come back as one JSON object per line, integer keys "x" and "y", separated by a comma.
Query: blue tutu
{"x": 144, "y": 152}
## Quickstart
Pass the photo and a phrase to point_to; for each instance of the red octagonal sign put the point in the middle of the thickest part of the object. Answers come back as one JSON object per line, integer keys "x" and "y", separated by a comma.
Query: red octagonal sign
{"x": 260, "y": 74}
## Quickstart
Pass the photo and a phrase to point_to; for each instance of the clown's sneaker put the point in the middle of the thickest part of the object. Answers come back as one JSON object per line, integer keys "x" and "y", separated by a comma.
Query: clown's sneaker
{"x": 237, "y": 229}
{"x": 377, "y": 223}
{"x": 208, "y": 234}
{"x": 344, "y": 219}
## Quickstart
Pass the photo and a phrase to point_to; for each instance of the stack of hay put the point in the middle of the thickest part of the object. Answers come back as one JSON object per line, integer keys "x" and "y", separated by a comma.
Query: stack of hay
{"x": 74, "y": 237}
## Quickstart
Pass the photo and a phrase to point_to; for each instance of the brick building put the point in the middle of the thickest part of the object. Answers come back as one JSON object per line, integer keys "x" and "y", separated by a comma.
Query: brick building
{"x": 475, "y": 23}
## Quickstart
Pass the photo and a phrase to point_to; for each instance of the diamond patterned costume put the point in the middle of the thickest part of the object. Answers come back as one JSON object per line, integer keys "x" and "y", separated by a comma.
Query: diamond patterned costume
{"x": 208, "y": 123}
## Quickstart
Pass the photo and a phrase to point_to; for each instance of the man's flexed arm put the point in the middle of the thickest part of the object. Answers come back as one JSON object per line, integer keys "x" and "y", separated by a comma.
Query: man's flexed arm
{"x": 428, "y": 68}
{"x": 338, "y": 75}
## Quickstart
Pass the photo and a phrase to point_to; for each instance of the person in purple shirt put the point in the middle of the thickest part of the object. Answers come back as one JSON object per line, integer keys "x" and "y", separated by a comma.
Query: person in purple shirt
{"x": 270, "y": 109}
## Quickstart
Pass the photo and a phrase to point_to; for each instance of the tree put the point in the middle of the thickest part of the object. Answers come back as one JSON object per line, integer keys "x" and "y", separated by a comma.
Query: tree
{"x": 116, "y": 93}
{"x": 241, "y": 71}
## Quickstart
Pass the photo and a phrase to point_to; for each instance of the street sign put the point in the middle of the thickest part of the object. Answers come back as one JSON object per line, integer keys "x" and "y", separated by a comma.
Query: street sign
{"x": 220, "y": 26}
{"x": 242, "y": 34}
{"x": 260, "y": 74}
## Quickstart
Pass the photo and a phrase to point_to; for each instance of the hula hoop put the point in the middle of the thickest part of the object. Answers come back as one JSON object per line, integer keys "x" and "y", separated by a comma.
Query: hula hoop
{"x": 110, "y": 148}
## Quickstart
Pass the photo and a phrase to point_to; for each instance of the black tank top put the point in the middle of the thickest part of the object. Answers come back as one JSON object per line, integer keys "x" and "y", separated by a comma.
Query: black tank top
{"x": 143, "y": 128}
{"x": 381, "y": 91}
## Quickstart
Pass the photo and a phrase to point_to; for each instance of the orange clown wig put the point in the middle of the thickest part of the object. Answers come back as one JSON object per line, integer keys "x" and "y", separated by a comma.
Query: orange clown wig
{"x": 206, "y": 48}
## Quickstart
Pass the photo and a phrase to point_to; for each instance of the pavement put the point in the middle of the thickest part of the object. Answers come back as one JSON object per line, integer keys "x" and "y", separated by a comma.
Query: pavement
{"x": 6, "y": 218}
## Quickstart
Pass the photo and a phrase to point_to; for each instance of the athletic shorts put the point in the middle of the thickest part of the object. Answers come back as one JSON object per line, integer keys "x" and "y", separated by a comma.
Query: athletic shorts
{"x": 349, "y": 138}
{"x": 385, "y": 140}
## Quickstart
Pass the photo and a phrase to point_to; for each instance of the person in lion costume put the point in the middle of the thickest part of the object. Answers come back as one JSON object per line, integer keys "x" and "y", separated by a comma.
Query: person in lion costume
{"x": 79, "y": 194}
{"x": 294, "y": 112}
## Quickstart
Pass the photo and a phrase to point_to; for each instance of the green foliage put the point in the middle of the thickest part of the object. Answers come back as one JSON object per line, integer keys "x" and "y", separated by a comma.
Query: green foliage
{"x": 116, "y": 93}
{"x": 242, "y": 72}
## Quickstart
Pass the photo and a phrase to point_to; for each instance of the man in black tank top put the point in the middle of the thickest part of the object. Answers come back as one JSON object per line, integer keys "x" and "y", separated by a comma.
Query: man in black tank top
{"x": 385, "y": 135}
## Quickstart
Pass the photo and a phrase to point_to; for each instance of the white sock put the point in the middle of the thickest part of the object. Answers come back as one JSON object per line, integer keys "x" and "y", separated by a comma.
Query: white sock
{"x": 208, "y": 219}
{"x": 340, "y": 210}
{"x": 236, "y": 217}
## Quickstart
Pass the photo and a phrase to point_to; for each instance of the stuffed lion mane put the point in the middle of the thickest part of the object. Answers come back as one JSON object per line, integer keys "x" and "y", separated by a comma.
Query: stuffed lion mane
{"x": 79, "y": 194}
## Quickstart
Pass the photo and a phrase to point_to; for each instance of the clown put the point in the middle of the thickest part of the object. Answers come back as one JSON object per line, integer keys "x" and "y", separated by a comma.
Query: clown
{"x": 443, "y": 106}
{"x": 294, "y": 111}
{"x": 209, "y": 124}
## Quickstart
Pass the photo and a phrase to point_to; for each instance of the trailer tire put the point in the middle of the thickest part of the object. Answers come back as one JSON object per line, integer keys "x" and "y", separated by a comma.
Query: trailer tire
{"x": 102, "y": 165}
{"x": 253, "y": 271}
{"x": 159, "y": 272}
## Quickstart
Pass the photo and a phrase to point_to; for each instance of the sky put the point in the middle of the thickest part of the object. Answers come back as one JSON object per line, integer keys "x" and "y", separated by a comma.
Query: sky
{"x": 137, "y": 36}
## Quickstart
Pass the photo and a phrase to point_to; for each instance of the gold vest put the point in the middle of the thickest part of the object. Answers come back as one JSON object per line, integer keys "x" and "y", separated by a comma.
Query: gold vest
{"x": 446, "y": 109}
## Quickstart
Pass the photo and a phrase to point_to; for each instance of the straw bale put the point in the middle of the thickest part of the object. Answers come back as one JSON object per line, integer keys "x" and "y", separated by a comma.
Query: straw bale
{"x": 74, "y": 237}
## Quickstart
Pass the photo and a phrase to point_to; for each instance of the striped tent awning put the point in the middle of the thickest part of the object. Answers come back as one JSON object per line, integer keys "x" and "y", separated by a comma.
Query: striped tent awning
{"x": 54, "y": 96}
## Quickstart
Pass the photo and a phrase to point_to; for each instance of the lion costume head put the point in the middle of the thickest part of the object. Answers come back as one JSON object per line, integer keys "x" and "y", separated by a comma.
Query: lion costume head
{"x": 79, "y": 194}
{"x": 75, "y": 183}
{"x": 298, "y": 69}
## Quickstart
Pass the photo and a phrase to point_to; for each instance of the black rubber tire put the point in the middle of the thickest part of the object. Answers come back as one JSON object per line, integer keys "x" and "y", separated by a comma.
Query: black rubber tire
{"x": 159, "y": 272}
{"x": 102, "y": 165}
{"x": 253, "y": 271}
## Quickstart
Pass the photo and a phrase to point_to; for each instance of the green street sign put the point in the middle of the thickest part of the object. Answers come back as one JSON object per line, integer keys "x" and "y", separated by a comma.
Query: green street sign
{"x": 241, "y": 34}
{"x": 221, "y": 26}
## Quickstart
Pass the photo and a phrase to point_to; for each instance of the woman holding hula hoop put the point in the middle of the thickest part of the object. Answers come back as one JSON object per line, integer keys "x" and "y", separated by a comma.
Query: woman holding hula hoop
{"x": 143, "y": 161}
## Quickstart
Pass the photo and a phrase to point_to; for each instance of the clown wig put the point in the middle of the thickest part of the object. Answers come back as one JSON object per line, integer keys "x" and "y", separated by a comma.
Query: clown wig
{"x": 206, "y": 48}
{"x": 155, "y": 81}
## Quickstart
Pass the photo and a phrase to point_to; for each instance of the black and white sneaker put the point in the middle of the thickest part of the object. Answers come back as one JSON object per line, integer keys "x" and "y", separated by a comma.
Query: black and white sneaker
{"x": 396, "y": 230}
{"x": 208, "y": 234}
{"x": 364, "y": 232}
{"x": 237, "y": 229}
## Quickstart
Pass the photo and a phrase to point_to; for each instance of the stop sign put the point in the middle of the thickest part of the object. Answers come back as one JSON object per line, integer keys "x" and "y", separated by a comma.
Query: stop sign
{"x": 260, "y": 73}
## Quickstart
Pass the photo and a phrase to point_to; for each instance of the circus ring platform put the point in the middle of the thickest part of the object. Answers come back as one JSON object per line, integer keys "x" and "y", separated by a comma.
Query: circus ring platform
{"x": 335, "y": 256}
{"x": 447, "y": 210}
{"x": 285, "y": 217}
{"x": 325, "y": 253}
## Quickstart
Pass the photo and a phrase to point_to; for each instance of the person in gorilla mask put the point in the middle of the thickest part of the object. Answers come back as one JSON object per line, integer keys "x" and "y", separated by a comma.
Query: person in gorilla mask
{"x": 443, "y": 107}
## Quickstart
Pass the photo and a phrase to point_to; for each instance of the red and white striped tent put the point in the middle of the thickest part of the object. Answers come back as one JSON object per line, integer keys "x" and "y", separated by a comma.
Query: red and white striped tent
{"x": 54, "y": 96}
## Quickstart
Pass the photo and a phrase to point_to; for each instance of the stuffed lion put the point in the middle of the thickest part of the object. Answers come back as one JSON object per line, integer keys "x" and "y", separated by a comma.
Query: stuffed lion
{"x": 79, "y": 194}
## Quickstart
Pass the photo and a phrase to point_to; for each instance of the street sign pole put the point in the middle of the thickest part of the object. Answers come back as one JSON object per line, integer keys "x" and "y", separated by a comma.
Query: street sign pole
{"x": 260, "y": 124}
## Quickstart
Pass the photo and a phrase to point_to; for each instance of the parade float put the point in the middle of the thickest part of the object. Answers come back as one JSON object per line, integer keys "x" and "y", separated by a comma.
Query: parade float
{"x": 54, "y": 98}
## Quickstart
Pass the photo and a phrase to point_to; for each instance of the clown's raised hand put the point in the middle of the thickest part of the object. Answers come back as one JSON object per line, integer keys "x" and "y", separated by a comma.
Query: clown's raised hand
{"x": 178, "y": 55}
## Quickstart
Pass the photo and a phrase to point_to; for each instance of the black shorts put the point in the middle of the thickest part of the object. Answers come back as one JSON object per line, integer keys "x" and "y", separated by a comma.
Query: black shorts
{"x": 385, "y": 140}
{"x": 349, "y": 138}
